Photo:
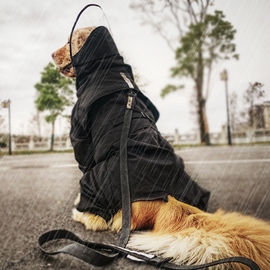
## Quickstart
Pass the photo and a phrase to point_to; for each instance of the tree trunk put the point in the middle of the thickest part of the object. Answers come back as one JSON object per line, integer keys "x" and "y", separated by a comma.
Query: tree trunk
{"x": 206, "y": 136}
{"x": 203, "y": 125}
{"x": 52, "y": 138}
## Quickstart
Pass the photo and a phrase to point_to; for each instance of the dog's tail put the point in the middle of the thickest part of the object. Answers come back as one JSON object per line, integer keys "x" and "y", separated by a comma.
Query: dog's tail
{"x": 194, "y": 248}
{"x": 204, "y": 237}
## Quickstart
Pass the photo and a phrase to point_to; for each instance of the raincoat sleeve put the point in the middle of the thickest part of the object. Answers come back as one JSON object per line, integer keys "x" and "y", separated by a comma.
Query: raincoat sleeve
{"x": 82, "y": 143}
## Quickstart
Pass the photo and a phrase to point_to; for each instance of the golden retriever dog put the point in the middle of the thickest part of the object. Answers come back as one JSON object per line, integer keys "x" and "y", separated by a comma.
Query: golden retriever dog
{"x": 176, "y": 229}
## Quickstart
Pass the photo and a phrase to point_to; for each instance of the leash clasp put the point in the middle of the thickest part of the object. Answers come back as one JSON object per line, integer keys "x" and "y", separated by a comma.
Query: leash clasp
{"x": 130, "y": 102}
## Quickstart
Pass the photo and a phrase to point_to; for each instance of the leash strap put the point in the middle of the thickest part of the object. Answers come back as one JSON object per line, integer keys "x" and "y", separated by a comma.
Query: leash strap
{"x": 125, "y": 191}
{"x": 94, "y": 253}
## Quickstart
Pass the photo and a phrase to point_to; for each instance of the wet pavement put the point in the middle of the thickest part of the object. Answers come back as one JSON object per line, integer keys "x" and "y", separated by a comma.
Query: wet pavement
{"x": 38, "y": 191}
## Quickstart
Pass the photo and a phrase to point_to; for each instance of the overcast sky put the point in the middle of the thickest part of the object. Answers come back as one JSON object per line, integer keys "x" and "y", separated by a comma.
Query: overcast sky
{"x": 31, "y": 30}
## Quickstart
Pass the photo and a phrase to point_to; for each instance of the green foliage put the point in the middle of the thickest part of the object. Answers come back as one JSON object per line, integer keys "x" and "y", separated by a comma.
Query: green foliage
{"x": 54, "y": 92}
{"x": 203, "y": 44}
{"x": 169, "y": 89}
{"x": 3, "y": 145}
{"x": 207, "y": 41}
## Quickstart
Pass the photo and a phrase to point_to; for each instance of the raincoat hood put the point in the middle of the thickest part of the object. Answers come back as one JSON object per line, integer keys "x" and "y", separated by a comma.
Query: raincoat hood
{"x": 98, "y": 67}
{"x": 98, "y": 52}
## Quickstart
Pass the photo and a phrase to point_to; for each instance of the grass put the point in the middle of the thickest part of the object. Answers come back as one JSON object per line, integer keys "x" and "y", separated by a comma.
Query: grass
{"x": 177, "y": 146}
{"x": 35, "y": 152}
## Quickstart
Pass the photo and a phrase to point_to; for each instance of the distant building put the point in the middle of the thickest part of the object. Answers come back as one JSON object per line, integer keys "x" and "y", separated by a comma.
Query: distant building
{"x": 266, "y": 114}
{"x": 261, "y": 116}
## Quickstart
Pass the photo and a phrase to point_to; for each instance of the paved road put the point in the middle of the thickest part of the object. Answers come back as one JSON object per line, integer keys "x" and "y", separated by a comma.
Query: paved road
{"x": 37, "y": 194}
{"x": 238, "y": 177}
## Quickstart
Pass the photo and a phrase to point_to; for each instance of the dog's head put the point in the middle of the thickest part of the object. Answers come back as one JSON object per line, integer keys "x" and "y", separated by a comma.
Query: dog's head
{"x": 61, "y": 57}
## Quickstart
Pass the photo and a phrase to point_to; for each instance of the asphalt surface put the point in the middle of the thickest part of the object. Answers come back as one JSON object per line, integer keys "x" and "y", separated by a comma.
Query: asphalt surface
{"x": 38, "y": 191}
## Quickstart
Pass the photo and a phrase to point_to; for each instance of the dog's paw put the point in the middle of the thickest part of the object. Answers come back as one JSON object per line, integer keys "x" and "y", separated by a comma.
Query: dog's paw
{"x": 116, "y": 225}
{"x": 91, "y": 221}
{"x": 76, "y": 202}
{"x": 117, "y": 222}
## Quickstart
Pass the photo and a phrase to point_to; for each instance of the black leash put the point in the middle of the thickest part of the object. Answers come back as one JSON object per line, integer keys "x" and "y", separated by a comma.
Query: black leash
{"x": 125, "y": 191}
{"x": 94, "y": 253}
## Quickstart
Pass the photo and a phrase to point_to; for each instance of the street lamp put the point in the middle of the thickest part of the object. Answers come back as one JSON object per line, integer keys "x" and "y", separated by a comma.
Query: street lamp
{"x": 6, "y": 104}
{"x": 224, "y": 77}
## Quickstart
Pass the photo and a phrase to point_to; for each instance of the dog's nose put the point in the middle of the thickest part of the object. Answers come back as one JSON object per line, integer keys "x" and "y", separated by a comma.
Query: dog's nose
{"x": 53, "y": 55}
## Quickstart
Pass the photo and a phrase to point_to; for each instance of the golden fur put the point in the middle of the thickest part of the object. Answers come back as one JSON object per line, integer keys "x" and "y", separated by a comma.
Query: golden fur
{"x": 178, "y": 230}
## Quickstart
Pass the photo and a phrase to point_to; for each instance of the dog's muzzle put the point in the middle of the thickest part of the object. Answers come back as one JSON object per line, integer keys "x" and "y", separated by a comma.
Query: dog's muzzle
{"x": 66, "y": 68}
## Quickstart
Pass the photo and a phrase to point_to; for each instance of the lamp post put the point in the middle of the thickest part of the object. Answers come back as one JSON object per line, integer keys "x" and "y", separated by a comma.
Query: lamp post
{"x": 224, "y": 77}
{"x": 6, "y": 104}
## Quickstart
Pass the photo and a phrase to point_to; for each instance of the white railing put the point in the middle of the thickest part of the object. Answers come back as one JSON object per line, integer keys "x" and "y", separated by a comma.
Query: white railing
{"x": 245, "y": 137}
{"x": 45, "y": 144}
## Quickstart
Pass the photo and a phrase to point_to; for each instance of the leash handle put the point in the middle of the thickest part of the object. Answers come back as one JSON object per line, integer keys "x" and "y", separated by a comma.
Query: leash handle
{"x": 79, "y": 15}
{"x": 83, "y": 250}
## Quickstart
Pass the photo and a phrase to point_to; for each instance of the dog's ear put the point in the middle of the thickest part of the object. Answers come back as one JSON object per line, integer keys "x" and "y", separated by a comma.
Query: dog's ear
{"x": 89, "y": 29}
{"x": 80, "y": 37}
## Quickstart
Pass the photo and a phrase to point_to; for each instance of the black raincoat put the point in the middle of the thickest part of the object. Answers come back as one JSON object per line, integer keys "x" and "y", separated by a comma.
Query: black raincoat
{"x": 155, "y": 171}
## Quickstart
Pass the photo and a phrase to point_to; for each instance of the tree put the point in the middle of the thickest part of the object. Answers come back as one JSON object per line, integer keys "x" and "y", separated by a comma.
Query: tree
{"x": 54, "y": 94}
{"x": 204, "y": 40}
{"x": 254, "y": 93}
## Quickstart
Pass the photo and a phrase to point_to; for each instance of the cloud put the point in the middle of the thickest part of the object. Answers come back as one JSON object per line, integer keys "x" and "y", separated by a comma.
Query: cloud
{"x": 31, "y": 30}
